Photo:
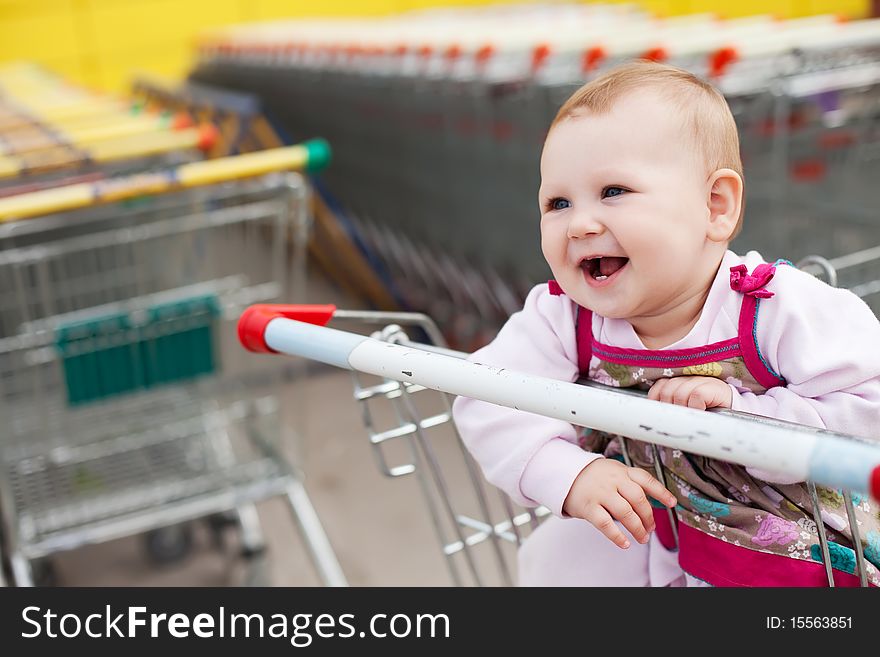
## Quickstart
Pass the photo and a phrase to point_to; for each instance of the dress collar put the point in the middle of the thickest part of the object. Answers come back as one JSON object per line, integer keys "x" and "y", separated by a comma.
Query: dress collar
{"x": 620, "y": 333}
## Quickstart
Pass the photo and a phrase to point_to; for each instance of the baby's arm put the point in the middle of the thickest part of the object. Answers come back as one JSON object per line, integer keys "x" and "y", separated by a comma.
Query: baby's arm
{"x": 825, "y": 342}
{"x": 534, "y": 459}
{"x": 530, "y": 457}
{"x": 606, "y": 490}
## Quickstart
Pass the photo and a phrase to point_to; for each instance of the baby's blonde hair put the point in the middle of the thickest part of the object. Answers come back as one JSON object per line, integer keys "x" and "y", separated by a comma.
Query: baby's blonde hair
{"x": 706, "y": 115}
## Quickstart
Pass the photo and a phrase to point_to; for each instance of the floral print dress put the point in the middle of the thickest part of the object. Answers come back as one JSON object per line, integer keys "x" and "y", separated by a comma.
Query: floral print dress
{"x": 733, "y": 529}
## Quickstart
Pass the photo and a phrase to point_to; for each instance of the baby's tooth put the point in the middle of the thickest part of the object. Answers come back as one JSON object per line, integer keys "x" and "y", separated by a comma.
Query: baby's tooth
{"x": 601, "y": 277}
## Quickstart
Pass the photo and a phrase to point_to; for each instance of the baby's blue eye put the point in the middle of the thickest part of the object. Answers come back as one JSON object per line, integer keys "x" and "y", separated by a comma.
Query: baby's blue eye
{"x": 559, "y": 204}
{"x": 612, "y": 191}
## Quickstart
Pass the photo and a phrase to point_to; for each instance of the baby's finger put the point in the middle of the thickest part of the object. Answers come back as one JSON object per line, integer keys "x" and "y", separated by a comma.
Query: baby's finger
{"x": 657, "y": 389}
{"x": 699, "y": 397}
{"x": 666, "y": 392}
{"x": 623, "y": 512}
{"x": 635, "y": 495}
{"x": 652, "y": 487}
{"x": 602, "y": 520}
{"x": 714, "y": 393}
{"x": 685, "y": 390}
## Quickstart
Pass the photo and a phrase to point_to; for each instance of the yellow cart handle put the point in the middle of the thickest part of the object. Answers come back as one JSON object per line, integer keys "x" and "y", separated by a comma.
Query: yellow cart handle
{"x": 131, "y": 147}
{"x": 312, "y": 155}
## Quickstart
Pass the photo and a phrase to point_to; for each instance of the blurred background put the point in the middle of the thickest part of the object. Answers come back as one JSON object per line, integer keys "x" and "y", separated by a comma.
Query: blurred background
{"x": 164, "y": 165}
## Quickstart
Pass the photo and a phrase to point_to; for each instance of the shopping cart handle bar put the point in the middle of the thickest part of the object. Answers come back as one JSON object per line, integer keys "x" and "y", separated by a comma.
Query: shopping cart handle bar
{"x": 254, "y": 320}
{"x": 312, "y": 155}
{"x": 829, "y": 458}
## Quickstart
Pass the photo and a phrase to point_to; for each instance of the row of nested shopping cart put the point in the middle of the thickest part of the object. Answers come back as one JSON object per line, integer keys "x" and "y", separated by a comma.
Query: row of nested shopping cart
{"x": 439, "y": 117}
{"x": 125, "y": 258}
{"x": 53, "y": 133}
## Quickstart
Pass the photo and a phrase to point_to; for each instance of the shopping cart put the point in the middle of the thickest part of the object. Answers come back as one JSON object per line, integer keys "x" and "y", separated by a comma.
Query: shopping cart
{"x": 411, "y": 432}
{"x": 126, "y": 406}
{"x": 64, "y": 165}
{"x": 54, "y": 133}
{"x": 403, "y": 373}
{"x": 239, "y": 118}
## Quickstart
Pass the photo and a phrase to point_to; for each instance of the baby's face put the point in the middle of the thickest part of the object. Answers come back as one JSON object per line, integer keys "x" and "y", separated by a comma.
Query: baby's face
{"x": 624, "y": 208}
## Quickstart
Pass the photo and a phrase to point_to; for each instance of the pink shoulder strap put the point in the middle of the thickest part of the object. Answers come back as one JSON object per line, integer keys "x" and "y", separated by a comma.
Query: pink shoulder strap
{"x": 583, "y": 331}
{"x": 752, "y": 288}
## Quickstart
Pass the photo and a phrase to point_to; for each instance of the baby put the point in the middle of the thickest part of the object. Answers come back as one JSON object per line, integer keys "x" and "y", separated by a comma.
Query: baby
{"x": 641, "y": 192}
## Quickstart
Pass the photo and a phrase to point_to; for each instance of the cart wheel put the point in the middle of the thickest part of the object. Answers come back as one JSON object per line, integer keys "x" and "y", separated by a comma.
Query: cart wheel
{"x": 44, "y": 572}
{"x": 217, "y": 524}
{"x": 169, "y": 544}
{"x": 246, "y": 522}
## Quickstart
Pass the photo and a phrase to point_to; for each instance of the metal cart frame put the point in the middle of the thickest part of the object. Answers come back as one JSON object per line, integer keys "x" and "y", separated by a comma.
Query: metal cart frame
{"x": 185, "y": 445}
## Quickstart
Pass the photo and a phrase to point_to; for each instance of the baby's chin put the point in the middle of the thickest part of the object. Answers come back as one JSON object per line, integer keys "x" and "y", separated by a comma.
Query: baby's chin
{"x": 610, "y": 312}
{"x": 609, "y": 308}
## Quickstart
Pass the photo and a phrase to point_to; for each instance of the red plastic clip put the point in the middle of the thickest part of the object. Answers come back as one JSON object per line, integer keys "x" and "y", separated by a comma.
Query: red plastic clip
{"x": 453, "y": 52}
{"x": 592, "y": 58}
{"x": 808, "y": 170}
{"x": 658, "y": 54}
{"x": 484, "y": 54}
{"x": 253, "y": 321}
{"x": 721, "y": 60}
{"x": 540, "y": 55}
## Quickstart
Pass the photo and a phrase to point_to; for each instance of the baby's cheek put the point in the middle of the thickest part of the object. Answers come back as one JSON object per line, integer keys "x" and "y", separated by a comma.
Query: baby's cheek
{"x": 549, "y": 249}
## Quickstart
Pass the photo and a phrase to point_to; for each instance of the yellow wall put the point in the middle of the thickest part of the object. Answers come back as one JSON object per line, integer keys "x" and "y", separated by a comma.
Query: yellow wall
{"x": 101, "y": 42}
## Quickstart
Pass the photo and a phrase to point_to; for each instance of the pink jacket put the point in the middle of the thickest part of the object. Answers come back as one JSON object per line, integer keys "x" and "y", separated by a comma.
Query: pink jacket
{"x": 824, "y": 341}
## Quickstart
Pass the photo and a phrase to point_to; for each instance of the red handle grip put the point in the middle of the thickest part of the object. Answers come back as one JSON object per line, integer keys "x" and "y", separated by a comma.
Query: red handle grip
{"x": 253, "y": 321}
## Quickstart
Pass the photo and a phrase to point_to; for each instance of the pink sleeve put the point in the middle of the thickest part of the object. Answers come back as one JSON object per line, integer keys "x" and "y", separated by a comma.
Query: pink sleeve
{"x": 824, "y": 342}
{"x": 530, "y": 457}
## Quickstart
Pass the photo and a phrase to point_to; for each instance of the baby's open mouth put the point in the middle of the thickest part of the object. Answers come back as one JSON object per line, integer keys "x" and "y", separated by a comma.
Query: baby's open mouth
{"x": 602, "y": 267}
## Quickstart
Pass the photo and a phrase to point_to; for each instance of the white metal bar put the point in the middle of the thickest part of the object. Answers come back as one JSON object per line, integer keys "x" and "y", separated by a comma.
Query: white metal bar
{"x": 314, "y": 537}
{"x": 829, "y": 458}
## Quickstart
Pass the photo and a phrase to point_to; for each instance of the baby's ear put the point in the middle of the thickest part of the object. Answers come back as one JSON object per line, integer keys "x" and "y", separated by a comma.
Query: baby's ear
{"x": 725, "y": 198}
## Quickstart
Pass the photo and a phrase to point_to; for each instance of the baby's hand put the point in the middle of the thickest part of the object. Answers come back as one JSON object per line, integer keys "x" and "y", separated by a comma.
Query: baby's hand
{"x": 700, "y": 392}
{"x": 607, "y": 490}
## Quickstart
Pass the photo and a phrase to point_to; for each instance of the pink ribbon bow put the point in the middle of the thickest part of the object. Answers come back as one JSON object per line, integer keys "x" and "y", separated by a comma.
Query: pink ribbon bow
{"x": 752, "y": 285}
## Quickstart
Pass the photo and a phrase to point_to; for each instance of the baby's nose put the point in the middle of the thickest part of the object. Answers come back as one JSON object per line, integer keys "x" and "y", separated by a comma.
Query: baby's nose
{"x": 583, "y": 224}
